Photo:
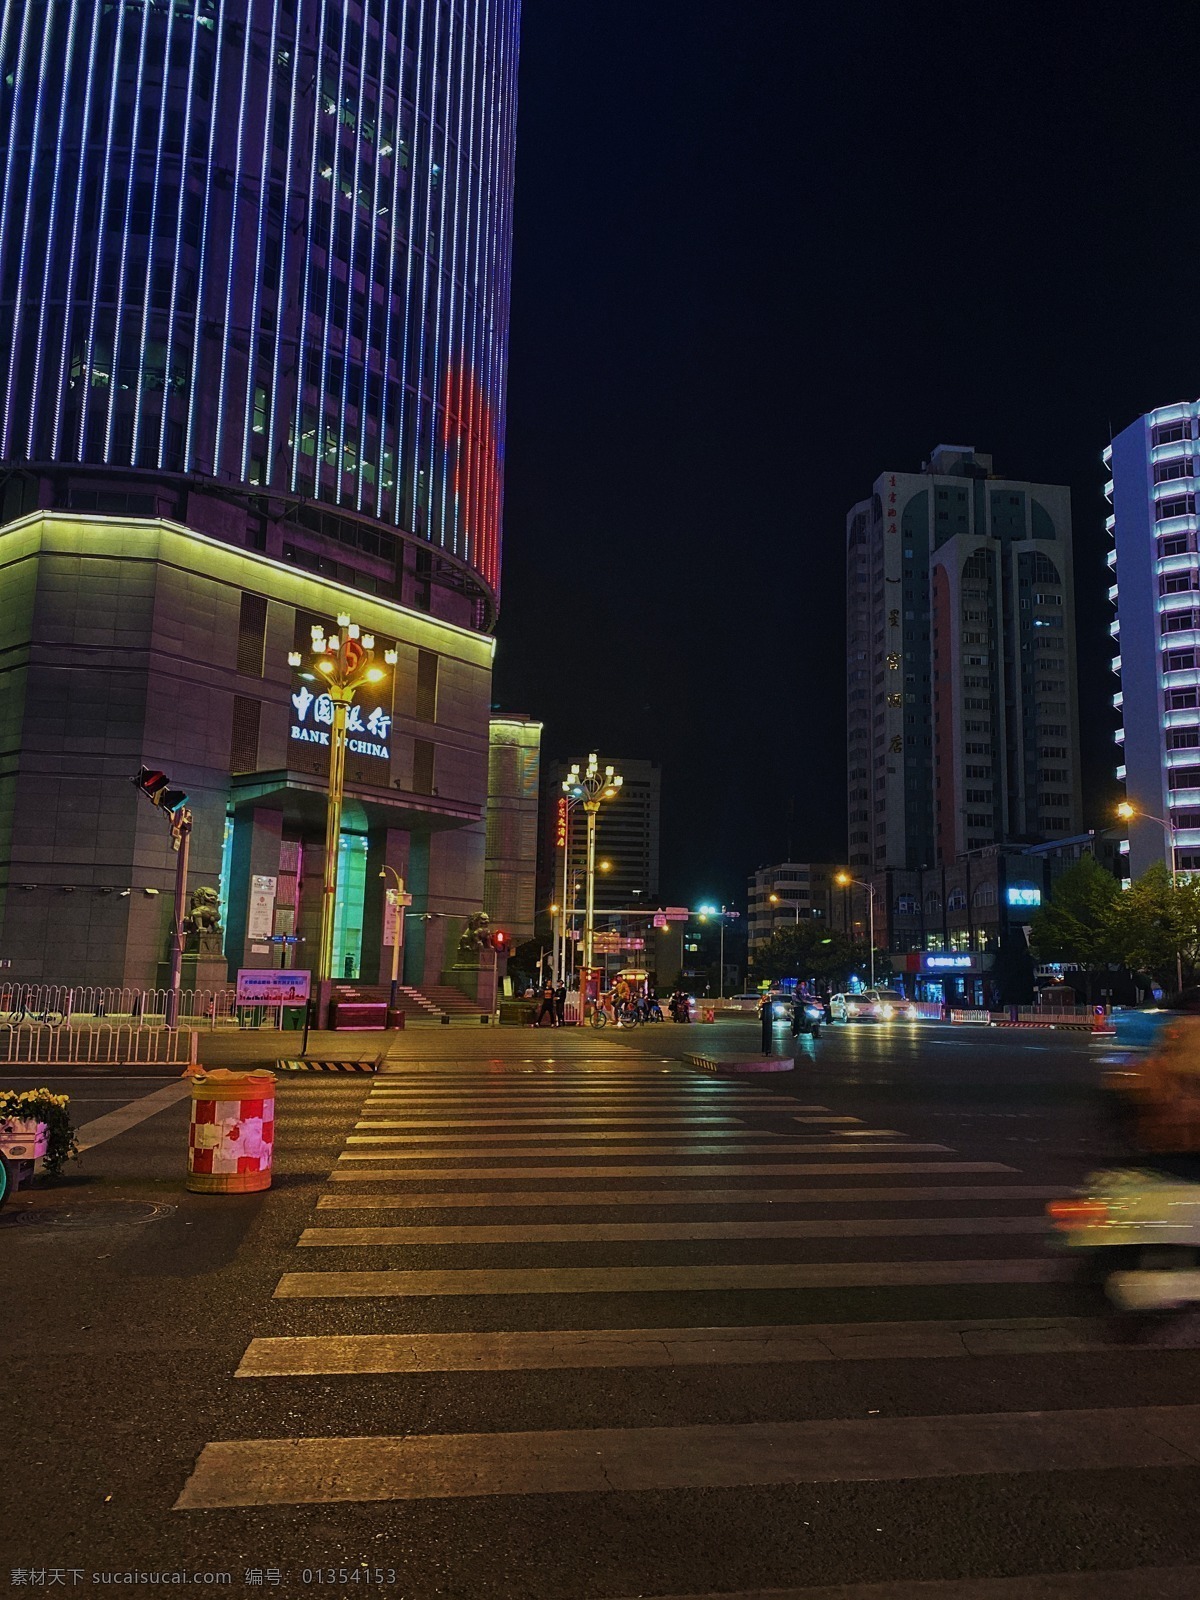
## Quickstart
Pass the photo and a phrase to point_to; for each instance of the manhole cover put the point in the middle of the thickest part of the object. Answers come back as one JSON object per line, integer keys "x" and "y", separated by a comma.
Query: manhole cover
{"x": 103, "y": 1214}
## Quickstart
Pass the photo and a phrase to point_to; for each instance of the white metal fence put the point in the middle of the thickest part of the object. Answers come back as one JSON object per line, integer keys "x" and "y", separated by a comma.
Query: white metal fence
{"x": 1055, "y": 1014}
{"x": 59, "y": 1003}
{"x": 101, "y": 1044}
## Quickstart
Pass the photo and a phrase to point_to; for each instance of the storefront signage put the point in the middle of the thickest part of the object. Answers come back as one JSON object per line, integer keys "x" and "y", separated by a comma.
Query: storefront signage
{"x": 366, "y": 731}
{"x": 258, "y": 988}
{"x": 1019, "y": 895}
{"x": 947, "y": 963}
{"x": 560, "y": 823}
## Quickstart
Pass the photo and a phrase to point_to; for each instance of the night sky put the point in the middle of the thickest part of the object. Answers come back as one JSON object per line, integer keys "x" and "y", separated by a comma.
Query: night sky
{"x": 765, "y": 251}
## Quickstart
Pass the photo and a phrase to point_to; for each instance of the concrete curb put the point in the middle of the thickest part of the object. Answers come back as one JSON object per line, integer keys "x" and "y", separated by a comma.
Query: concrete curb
{"x": 300, "y": 1064}
{"x": 712, "y": 1064}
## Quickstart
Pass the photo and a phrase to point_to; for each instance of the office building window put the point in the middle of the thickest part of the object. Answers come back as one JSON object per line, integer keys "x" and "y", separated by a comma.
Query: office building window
{"x": 252, "y": 635}
{"x": 427, "y": 686}
{"x": 243, "y": 743}
{"x": 423, "y": 764}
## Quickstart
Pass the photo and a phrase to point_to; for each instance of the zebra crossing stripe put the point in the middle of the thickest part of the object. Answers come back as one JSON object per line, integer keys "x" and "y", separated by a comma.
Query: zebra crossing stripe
{"x": 307, "y": 1471}
{"x": 462, "y": 1149}
{"x": 409, "y": 1235}
{"x": 437, "y": 1200}
{"x": 542, "y": 1349}
{"x": 711, "y": 1169}
{"x": 1140, "y": 1583}
{"x": 567, "y": 1120}
{"x": 667, "y": 1280}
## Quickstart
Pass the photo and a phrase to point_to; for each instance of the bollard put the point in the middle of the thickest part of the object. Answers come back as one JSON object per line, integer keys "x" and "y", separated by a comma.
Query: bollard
{"x": 709, "y": 1014}
{"x": 768, "y": 1029}
{"x": 395, "y": 1017}
{"x": 231, "y": 1137}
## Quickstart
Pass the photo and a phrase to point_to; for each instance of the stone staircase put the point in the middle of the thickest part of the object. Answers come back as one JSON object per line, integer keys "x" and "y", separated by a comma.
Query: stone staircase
{"x": 437, "y": 1003}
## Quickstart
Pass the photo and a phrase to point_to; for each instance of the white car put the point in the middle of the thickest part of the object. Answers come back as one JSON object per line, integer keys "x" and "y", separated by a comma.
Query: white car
{"x": 872, "y": 1005}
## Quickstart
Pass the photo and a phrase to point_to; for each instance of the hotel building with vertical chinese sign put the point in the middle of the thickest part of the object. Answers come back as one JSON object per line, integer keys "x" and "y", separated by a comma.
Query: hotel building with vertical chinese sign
{"x": 254, "y": 284}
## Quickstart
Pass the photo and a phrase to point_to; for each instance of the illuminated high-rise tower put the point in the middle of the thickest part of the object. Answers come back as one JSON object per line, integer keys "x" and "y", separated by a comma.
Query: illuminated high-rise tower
{"x": 254, "y": 263}
{"x": 1152, "y": 489}
{"x": 254, "y": 288}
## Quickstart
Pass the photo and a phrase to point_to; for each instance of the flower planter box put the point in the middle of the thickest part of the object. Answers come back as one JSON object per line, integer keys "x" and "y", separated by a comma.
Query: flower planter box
{"x": 23, "y": 1139}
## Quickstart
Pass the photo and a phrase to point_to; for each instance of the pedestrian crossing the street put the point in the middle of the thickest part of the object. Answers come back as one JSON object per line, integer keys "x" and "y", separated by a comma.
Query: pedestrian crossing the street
{"x": 497, "y": 1232}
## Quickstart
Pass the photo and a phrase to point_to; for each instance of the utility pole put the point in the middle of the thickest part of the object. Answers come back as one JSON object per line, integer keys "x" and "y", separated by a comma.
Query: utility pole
{"x": 181, "y": 842}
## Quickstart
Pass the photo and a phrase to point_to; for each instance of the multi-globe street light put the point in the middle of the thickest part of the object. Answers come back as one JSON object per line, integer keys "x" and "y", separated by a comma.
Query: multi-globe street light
{"x": 590, "y": 788}
{"x": 845, "y": 880}
{"x": 345, "y": 661}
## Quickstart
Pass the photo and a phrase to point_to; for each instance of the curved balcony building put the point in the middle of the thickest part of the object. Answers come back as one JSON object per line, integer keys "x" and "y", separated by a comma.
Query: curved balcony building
{"x": 1154, "y": 474}
{"x": 254, "y": 270}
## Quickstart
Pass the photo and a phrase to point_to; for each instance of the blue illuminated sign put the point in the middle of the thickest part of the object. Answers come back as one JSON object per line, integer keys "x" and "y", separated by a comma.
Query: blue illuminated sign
{"x": 1021, "y": 896}
{"x": 947, "y": 963}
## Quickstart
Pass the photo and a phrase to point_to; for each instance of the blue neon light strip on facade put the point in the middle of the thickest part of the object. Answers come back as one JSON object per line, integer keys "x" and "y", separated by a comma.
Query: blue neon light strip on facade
{"x": 185, "y": 293}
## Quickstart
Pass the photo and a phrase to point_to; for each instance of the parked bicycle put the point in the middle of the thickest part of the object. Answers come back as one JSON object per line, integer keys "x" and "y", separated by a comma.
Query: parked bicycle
{"x": 625, "y": 1015}
{"x": 24, "y": 1012}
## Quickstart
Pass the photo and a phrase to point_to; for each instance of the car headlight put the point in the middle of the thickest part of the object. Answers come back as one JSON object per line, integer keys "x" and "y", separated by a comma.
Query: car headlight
{"x": 886, "y": 1012}
{"x": 912, "y": 1013}
{"x": 851, "y": 1010}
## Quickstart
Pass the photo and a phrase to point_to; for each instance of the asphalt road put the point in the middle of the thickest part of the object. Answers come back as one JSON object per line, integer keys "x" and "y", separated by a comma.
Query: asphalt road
{"x": 555, "y": 1316}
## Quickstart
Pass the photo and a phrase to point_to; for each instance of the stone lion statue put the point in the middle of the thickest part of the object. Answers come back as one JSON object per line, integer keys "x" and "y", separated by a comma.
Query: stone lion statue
{"x": 205, "y": 913}
{"x": 475, "y": 936}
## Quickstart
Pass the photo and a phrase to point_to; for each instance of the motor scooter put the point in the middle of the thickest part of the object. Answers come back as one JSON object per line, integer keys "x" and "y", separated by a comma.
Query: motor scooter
{"x": 807, "y": 1017}
{"x": 1137, "y": 1225}
{"x": 1140, "y": 1228}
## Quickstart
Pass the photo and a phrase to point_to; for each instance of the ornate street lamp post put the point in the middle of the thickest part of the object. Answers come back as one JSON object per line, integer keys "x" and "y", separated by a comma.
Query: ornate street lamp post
{"x": 346, "y": 661}
{"x": 591, "y": 788}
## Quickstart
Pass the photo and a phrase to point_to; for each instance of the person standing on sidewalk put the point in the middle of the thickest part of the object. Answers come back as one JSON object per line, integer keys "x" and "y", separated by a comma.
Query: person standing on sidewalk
{"x": 560, "y": 1004}
{"x": 547, "y": 1007}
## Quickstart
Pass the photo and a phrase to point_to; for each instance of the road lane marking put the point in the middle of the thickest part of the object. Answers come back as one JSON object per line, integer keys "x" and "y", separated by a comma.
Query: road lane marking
{"x": 436, "y": 1200}
{"x": 474, "y": 1149}
{"x": 112, "y": 1123}
{"x": 247, "y": 1472}
{"x": 706, "y": 1135}
{"x": 539, "y": 1350}
{"x": 1137, "y": 1583}
{"x": 635, "y": 1119}
{"x": 711, "y": 1169}
{"x": 667, "y": 1280}
{"x": 519, "y": 1233}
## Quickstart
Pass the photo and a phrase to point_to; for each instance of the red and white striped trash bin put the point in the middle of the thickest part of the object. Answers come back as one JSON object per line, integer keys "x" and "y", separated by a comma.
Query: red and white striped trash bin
{"x": 231, "y": 1137}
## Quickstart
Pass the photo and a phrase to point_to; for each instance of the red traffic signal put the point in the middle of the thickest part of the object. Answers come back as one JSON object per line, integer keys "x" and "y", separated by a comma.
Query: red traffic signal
{"x": 151, "y": 783}
{"x": 499, "y": 940}
{"x": 156, "y": 787}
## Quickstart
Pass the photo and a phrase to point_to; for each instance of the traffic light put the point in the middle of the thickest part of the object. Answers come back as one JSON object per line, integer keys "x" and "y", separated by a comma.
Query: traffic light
{"x": 156, "y": 786}
{"x": 500, "y": 941}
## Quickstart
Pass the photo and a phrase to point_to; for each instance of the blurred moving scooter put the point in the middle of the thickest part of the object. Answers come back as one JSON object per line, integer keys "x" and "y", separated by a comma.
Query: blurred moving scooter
{"x": 1139, "y": 1224}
